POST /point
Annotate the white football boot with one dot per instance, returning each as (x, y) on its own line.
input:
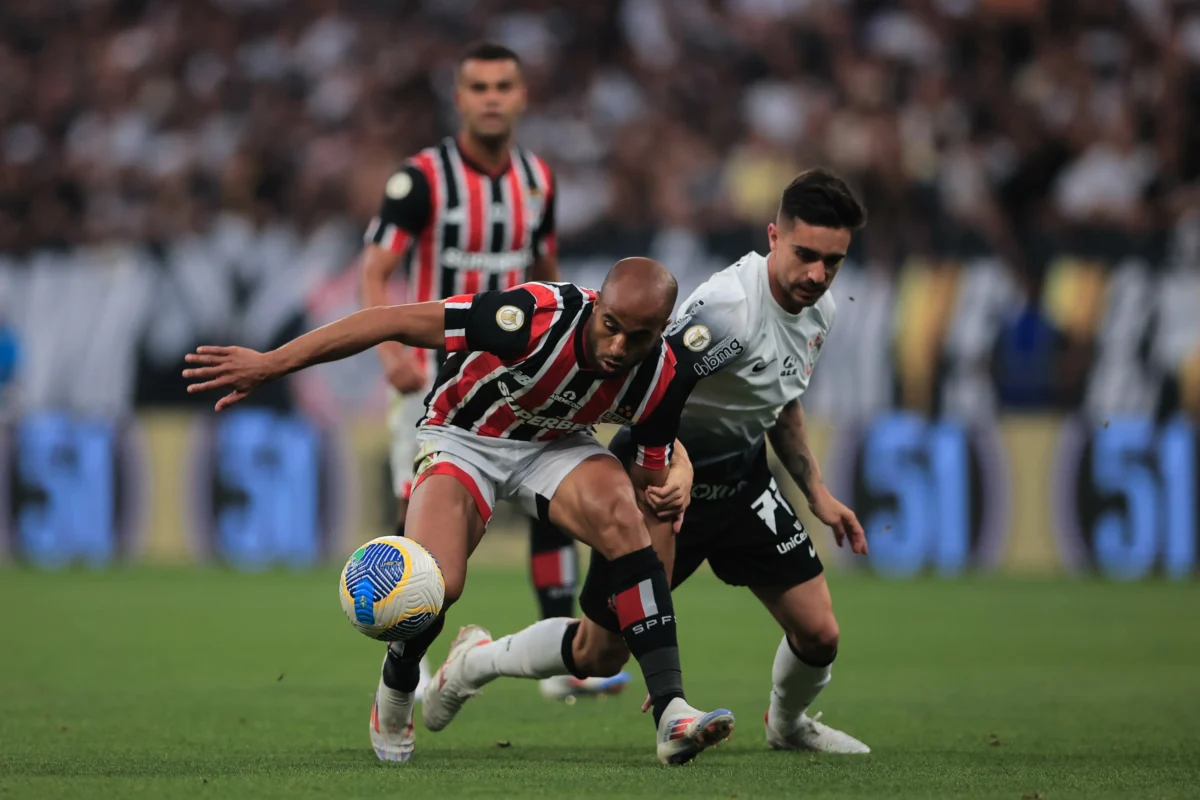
(684, 731)
(809, 733)
(392, 734)
(568, 687)
(449, 688)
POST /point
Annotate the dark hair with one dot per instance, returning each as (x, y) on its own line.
(487, 51)
(818, 197)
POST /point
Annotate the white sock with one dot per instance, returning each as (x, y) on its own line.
(535, 652)
(796, 686)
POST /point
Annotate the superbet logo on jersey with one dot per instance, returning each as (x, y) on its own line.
(1125, 497)
(931, 495)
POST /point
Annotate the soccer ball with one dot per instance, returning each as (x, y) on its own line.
(392, 589)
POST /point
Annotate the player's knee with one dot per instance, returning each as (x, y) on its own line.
(817, 642)
(621, 529)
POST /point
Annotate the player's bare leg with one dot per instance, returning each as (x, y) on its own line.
(401, 513)
(802, 668)
(442, 517)
(596, 504)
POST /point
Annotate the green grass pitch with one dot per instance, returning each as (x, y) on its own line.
(162, 684)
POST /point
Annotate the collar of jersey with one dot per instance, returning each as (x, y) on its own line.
(472, 164)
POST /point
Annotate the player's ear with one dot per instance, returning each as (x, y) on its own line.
(772, 235)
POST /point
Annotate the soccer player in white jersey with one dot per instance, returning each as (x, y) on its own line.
(758, 327)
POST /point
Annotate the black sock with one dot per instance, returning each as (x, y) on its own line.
(402, 667)
(568, 655)
(552, 564)
(642, 599)
(400, 528)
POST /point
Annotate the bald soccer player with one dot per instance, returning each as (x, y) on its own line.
(530, 371)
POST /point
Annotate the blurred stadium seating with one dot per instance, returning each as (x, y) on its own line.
(1017, 363)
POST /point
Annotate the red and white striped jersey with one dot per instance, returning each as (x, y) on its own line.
(519, 369)
(463, 230)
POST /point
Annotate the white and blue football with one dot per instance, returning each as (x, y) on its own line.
(392, 589)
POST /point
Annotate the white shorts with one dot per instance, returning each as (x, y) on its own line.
(404, 412)
(491, 469)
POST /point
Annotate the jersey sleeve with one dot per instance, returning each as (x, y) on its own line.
(654, 437)
(708, 335)
(405, 211)
(710, 331)
(496, 322)
(545, 238)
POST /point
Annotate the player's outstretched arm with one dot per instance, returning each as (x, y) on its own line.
(790, 440)
(242, 370)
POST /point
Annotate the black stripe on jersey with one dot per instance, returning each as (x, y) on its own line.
(475, 408)
(498, 227)
(530, 179)
(641, 385)
(448, 371)
(451, 231)
(578, 386)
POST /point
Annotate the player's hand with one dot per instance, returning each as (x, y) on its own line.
(840, 519)
(403, 368)
(239, 369)
(647, 703)
(670, 501)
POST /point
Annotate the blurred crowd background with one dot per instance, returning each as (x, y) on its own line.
(177, 171)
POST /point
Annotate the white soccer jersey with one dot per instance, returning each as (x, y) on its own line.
(760, 357)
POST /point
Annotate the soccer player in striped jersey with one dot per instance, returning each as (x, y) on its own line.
(758, 327)
(511, 415)
(473, 213)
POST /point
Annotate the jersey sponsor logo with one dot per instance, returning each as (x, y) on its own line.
(539, 420)
(510, 318)
(697, 338)
(456, 258)
(716, 491)
(730, 348)
(789, 367)
(567, 398)
(399, 185)
(788, 545)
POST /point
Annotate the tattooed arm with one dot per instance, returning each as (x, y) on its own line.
(790, 440)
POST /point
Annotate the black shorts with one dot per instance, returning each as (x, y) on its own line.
(750, 537)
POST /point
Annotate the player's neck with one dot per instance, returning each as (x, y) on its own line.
(780, 297)
(492, 158)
